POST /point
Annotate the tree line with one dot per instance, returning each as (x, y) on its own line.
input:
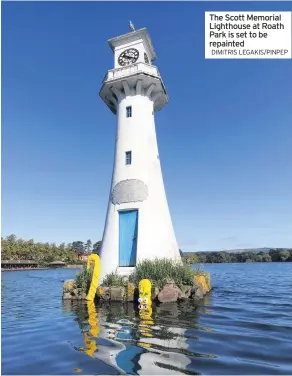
(274, 255)
(13, 248)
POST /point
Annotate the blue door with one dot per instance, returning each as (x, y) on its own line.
(128, 228)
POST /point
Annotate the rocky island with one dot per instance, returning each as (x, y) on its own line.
(171, 282)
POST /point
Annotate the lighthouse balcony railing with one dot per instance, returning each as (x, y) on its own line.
(117, 73)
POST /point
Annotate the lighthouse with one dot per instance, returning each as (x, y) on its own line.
(138, 224)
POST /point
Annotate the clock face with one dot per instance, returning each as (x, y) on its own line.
(146, 58)
(129, 56)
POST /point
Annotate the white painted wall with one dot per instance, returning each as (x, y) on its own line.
(156, 237)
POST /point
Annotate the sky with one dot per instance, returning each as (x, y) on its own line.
(224, 138)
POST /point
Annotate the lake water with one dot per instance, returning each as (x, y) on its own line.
(243, 327)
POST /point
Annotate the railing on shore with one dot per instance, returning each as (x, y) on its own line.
(13, 265)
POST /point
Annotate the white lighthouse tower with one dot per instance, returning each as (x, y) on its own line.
(138, 224)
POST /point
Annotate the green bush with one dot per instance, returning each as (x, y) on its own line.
(83, 279)
(114, 280)
(158, 271)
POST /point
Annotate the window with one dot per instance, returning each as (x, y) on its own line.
(129, 111)
(146, 58)
(128, 157)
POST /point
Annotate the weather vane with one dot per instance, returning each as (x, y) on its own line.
(132, 27)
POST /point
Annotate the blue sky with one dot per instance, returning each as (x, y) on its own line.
(224, 138)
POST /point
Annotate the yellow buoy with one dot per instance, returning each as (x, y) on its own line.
(145, 291)
(95, 260)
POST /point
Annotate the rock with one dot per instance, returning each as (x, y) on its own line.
(83, 295)
(197, 292)
(201, 279)
(66, 295)
(75, 292)
(130, 295)
(68, 285)
(208, 280)
(169, 293)
(154, 293)
(70, 291)
(104, 293)
(186, 292)
(118, 294)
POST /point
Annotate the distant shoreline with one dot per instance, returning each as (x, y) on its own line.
(47, 268)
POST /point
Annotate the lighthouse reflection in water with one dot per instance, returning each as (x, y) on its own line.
(132, 340)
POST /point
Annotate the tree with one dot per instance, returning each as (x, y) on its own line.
(11, 239)
(88, 245)
(8, 246)
(266, 258)
(233, 257)
(78, 247)
(225, 256)
(284, 255)
(259, 258)
(280, 255)
(96, 247)
(248, 255)
(190, 258)
(217, 257)
(202, 258)
(274, 253)
(14, 248)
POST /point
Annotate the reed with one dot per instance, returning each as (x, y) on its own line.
(160, 271)
(83, 279)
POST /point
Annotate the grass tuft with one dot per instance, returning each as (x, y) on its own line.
(114, 280)
(83, 279)
(159, 271)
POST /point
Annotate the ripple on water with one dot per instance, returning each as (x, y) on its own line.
(243, 327)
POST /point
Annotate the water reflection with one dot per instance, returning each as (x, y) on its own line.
(134, 341)
(146, 321)
(233, 330)
(93, 331)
